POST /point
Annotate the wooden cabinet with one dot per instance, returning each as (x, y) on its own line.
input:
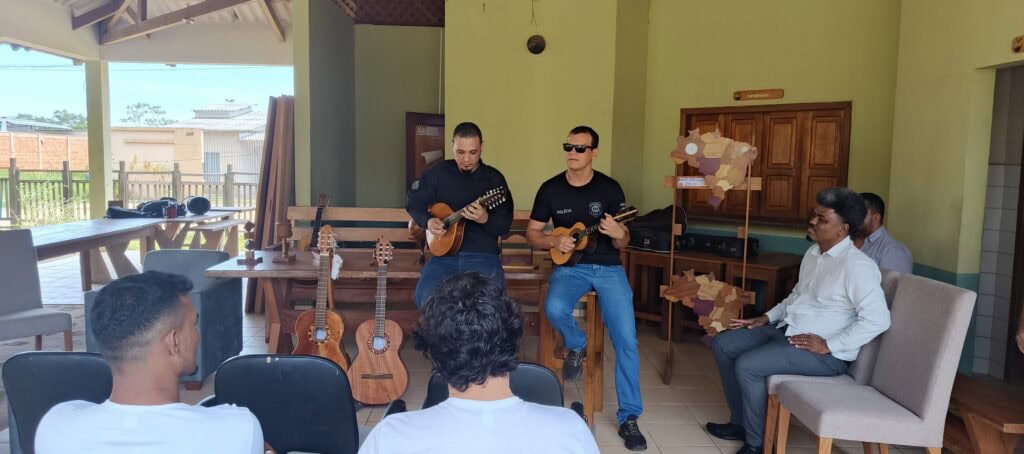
(802, 149)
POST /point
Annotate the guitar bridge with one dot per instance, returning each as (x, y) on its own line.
(377, 376)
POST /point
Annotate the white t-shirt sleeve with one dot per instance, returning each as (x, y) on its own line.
(372, 444)
(257, 436)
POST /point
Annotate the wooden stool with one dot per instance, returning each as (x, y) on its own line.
(593, 365)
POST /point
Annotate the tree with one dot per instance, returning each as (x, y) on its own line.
(62, 117)
(144, 114)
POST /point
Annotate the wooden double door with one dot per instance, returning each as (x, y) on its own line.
(802, 148)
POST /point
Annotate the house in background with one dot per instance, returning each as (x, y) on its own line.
(232, 133)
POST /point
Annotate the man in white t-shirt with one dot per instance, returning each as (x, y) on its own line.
(146, 329)
(471, 330)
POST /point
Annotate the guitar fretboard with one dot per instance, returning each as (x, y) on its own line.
(323, 280)
(382, 296)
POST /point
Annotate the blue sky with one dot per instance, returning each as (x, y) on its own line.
(38, 83)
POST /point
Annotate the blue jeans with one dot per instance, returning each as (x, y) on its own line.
(443, 267)
(566, 286)
(746, 357)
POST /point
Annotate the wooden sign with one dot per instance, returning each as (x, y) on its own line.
(756, 95)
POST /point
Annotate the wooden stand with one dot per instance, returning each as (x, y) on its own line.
(283, 232)
(676, 182)
(250, 246)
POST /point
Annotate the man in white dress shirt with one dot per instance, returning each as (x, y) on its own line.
(836, 307)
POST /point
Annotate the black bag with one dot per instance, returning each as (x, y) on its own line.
(155, 208)
(653, 231)
(128, 213)
(196, 204)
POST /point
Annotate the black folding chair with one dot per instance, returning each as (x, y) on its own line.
(36, 381)
(303, 403)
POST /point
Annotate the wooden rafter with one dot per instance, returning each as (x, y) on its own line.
(275, 24)
(166, 20)
(112, 8)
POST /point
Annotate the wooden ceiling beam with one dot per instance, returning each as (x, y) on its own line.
(109, 9)
(275, 23)
(166, 20)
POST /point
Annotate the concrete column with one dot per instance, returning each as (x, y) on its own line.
(98, 111)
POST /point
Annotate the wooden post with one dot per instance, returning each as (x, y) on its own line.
(122, 184)
(66, 174)
(14, 193)
(229, 188)
(176, 182)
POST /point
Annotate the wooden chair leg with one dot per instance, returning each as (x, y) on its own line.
(934, 450)
(824, 445)
(868, 447)
(771, 420)
(884, 448)
(782, 432)
(39, 342)
(68, 344)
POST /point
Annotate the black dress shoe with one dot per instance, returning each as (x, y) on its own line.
(727, 431)
(630, 433)
(747, 449)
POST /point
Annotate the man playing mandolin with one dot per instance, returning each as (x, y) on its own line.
(581, 194)
(459, 183)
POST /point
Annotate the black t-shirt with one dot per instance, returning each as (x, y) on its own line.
(446, 183)
(565, 205)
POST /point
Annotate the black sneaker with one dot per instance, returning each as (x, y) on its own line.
(630, 432)
(727, 431)
(573, 365)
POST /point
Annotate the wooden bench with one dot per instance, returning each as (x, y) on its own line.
(983, 418)
(359, 228)
(208, 235)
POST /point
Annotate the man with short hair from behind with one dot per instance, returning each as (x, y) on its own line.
(146, 329)
(470, 330)
(875, 242)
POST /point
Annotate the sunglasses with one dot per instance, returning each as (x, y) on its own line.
(578, 148)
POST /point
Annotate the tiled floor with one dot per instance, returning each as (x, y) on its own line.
(673, 418)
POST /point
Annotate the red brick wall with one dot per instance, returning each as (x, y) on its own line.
(43, 151)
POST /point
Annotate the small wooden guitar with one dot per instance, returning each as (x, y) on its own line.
(378, 375)
(319, 330)
(585, 238)
(454, 223)
(310, 242)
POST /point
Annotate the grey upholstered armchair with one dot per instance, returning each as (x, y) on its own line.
(21, 301)
(217, 301)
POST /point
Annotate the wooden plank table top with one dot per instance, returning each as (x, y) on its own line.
(356, 263)
(208, 216)
(62, 239)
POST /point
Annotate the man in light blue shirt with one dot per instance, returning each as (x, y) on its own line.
(836, 307)
(875, 241)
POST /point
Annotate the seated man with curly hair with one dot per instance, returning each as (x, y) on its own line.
(471, 330)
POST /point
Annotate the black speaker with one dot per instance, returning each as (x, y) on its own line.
(197, 204)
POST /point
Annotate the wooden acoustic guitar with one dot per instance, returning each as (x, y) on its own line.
(378, 375)
(585, 237)
(455, 223)
(319, 330)
(310, 242)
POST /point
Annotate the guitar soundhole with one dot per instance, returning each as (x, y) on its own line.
(378, 344)
(318, 335)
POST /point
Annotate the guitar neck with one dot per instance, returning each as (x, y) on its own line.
(314, 238)
(322, 283)
(382, 296)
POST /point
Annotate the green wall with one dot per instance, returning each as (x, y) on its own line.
(324, 54)
(397, 70)
(838, 51)
(943, 121)
(629, 98)
(524, 103)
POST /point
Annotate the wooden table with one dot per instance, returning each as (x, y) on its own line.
(646, 270)
(993, 417)
(84, 236)
(357, 279)
(171, 234)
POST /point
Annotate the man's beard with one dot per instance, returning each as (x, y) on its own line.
(808, 237)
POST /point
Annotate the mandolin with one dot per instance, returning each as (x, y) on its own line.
(309, 242)
(377, 374)
(319, 330)
(454, 223)
(583, 236)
